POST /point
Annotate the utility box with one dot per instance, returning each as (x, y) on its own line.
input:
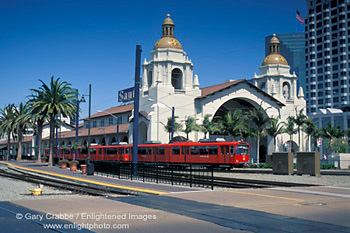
(282, 163)
(269, 161)
(308, 163)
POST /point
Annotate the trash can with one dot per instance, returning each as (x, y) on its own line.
(90, 169)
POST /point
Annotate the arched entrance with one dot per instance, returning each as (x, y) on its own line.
(286, 145)
(103, 142)
(125, 139)
(246, 106)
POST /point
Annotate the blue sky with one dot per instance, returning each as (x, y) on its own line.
(94, 41)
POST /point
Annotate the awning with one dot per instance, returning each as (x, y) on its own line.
(3, 147)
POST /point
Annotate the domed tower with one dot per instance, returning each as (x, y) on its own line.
(167, 82)
(168, 40)
(274, 74)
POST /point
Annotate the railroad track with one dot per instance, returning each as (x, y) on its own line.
(59, 184)
(212, 181)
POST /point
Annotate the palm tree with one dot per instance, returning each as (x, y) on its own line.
(169, 125)
(299, 120)
(190, 125)
(53, 100)
(38, 119)
(209, 126)
(233, 124)
(275, 128)
(310, 129)
(7, 127)
(260, 119)
(332, 132)
(289, 128)
(21, 124)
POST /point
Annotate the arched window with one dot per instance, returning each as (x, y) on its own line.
(103, 142)
(176, 78)
(150, 78)
(263, 86)
(286, 90)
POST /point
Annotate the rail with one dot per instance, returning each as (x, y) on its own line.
(193, 175)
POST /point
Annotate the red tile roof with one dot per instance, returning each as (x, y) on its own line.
(111, 129)
(25, 139)
(218, 87)
(206, 91)
(112, 110)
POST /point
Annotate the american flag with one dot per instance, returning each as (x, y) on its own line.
(300, 18)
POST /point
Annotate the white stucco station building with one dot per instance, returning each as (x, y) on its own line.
(168, 81)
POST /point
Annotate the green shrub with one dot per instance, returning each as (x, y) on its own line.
(327, 166)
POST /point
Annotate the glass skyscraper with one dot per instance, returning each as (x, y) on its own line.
(327, 54)
(293, 50)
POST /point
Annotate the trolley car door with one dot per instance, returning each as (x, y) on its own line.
(225, 153)
(185, 152)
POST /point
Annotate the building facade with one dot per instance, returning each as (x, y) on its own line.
(169, 82)
(327, 54)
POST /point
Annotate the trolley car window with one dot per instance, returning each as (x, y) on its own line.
(213, 150)
(141, 151)
(203, 150)
(112, 151)
(93, 151)
(175, 150)
(240, 150)
(66, 151)
(127, 150)
(195, 150)
(148, 150)
(121, 151)
(161, 150)
(232, 150)
(84, 150)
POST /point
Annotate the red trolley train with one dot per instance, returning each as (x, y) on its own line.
(220, 153)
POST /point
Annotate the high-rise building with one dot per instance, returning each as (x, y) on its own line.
(292, 46)
(327, 55)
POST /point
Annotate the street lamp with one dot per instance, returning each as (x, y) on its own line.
(90, 166)
(82, 100)
(172, 117)
(117, 123)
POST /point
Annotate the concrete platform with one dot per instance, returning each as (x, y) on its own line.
(313, 209)
(297, 209)
(134, 185)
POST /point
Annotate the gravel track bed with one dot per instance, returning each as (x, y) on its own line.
(12, 190)
(304, 179)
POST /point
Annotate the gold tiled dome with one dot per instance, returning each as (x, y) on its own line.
(168, 40)
(274, 56)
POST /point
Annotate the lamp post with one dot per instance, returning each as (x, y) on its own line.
(136, 110)
(172, 118)
(117, 123)
(90, 166)
(82, 100)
